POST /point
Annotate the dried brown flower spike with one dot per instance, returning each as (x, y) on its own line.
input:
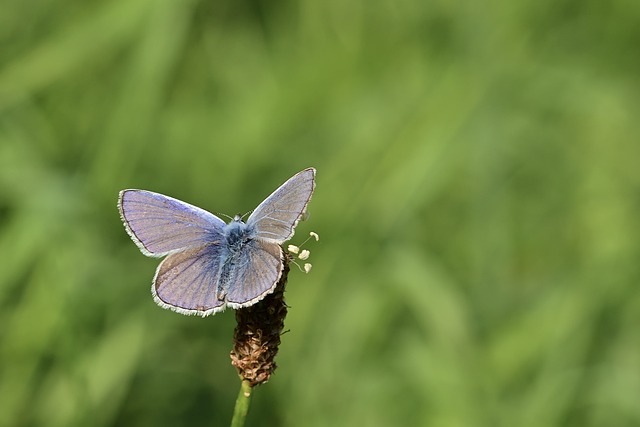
(257, 334)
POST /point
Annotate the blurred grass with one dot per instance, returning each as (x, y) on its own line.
(477, 204)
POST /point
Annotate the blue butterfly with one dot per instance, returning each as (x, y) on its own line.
(210, 264)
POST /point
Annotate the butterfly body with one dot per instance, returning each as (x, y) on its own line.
(210, 264)
(237, 235)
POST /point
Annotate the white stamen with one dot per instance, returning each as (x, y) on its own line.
(304, 254)
(314, 235)
(307, 267)
(293, 249)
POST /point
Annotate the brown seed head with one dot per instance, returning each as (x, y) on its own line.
(257, 334)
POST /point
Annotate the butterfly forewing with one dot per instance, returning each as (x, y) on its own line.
(160, 224)
(254, 274)
(187, 281)
(277, 216)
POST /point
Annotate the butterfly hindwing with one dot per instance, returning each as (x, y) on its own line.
(253, 274)
(187, 281)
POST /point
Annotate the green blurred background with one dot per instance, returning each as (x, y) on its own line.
(477, 200)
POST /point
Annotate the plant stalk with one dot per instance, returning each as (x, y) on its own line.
(242, 405)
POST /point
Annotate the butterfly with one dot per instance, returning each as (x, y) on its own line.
(210, 264)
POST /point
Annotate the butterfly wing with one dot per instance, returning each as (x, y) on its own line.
(160, 225)
(253, 274)
(277, 216)
(187, 281)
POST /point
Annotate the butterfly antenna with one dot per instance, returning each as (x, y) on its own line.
(227, 216)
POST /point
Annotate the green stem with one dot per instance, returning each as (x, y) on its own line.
(242, 405)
